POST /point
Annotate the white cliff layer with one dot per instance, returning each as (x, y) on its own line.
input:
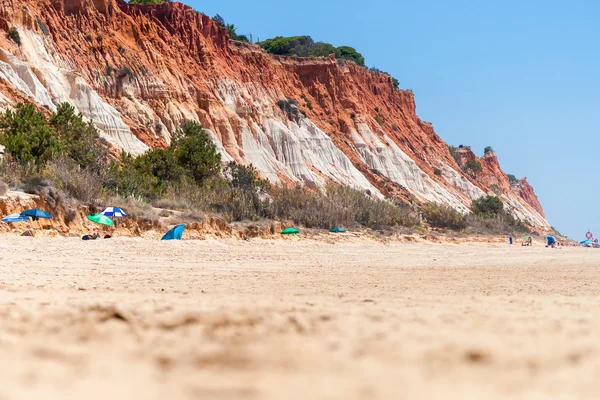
(49, 82)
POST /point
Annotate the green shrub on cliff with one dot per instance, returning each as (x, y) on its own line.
(27, 137)
(234, 35)
(474, 166)
(192, 157)
(305, 46)
(454, 154)
(13, 34)
(350, 53)
(31, 139)
(144, 2)
(487, 206)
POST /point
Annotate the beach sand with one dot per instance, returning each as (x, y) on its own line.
(132, 318)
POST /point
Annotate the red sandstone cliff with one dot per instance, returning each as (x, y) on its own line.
(139, 71)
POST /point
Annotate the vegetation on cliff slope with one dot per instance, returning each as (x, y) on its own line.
(148, 1)
(305, 46)
(62, 158)
(488, 216)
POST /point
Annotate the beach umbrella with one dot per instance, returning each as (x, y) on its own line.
(338, 229)
(290, 231)
(100, 219)
(13, 218)
(175, 233)
(113, 212)
(36, 214)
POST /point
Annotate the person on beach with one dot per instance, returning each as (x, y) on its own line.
(551, 241)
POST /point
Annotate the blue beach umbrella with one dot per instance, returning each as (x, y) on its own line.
(113, 212)
(36, 214)
(14, 218)
(175, 233)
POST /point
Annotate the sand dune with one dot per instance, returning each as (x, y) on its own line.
(135, 318)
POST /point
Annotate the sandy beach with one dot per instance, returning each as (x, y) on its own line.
(296, 319)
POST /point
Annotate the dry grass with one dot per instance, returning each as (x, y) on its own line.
(441, 216)
(81, 184)
(498, 225)
(3, 188)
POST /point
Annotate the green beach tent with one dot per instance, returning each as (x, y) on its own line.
(290, 231)
(338, 229)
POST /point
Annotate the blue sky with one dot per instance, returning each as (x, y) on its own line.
(521, 76)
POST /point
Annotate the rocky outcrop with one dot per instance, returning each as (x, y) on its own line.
(139, 71)
(525, 191)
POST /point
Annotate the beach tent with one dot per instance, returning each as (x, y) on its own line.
(587, 243)
(113, 212)
(175, 233)
(13, 218)
(36, 214)
(290, 231)
(338, 229)
(100, 219)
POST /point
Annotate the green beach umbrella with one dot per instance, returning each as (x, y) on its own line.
(100, 219)
(290, 231)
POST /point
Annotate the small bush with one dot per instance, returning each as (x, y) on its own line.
(437, 171)
(495, 189)
(487, 206)
(124, 72)
(219, 20)
(379, 119)
(488, 149)
(89, 38)
(442, 216)
(474, 166)
(455, 155)
(13, 34)
(512, 179)
(290, 107)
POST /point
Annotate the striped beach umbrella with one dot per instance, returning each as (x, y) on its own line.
(13, 218)
(113, 212)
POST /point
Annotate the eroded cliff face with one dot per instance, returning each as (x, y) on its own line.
(139, 71)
